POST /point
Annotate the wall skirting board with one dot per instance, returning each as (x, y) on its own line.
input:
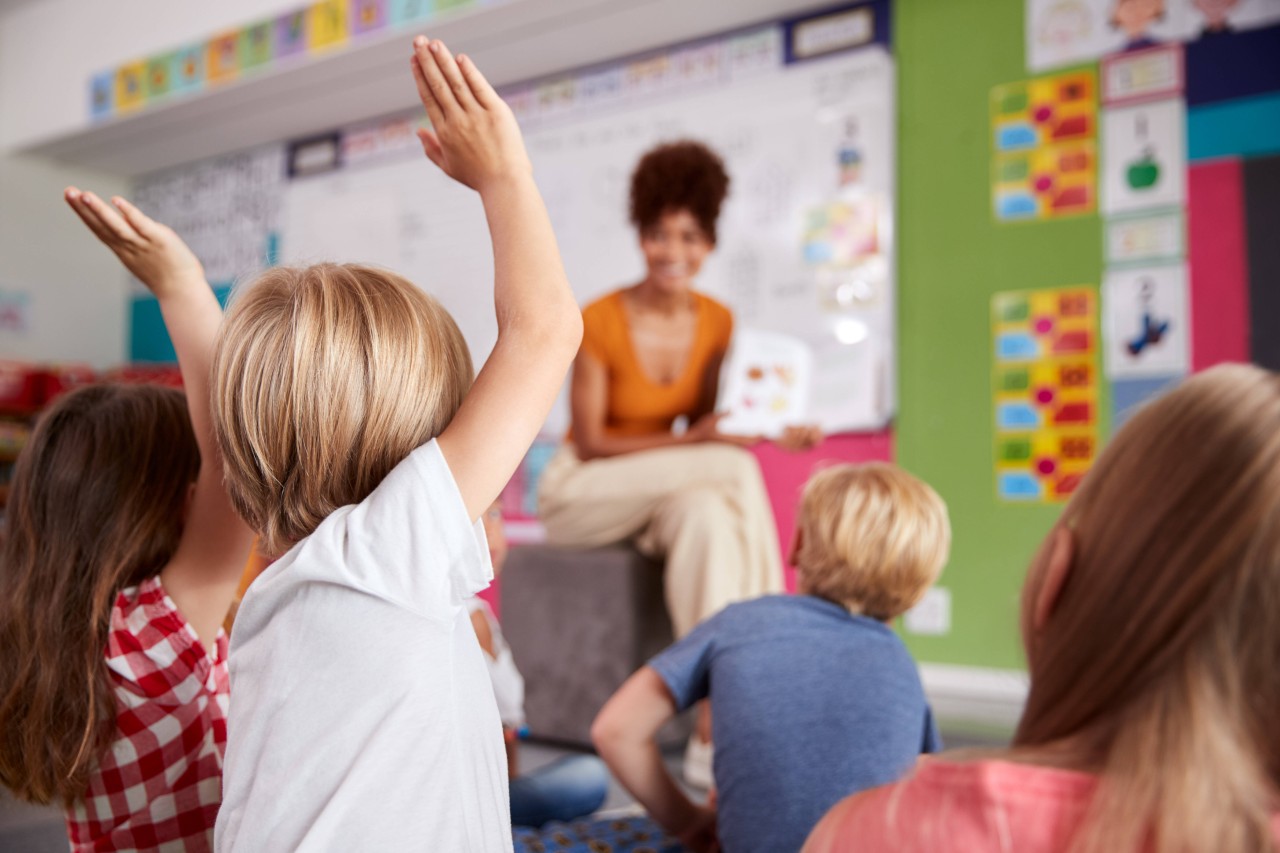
(975, 697)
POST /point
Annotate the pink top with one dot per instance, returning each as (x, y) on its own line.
(951, 806)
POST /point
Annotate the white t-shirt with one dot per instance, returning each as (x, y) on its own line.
(361, 712)
(508, 683)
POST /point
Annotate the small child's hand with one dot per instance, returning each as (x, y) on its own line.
(149, 250)
(700, 835)
(475, 140)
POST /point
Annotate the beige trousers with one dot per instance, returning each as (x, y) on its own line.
(701, 507)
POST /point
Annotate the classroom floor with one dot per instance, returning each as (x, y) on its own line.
(26, 828)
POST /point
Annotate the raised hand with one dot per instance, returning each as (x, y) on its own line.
(148, 249)
(474, 137)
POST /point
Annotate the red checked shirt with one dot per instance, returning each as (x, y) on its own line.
(159, 785)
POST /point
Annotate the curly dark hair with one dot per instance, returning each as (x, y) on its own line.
(683, 175)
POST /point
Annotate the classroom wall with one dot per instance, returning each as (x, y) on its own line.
(952, 257)
(44, 91)
(73, 289)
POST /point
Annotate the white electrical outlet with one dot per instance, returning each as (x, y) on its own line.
(932, 616)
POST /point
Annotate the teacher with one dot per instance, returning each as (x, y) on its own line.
(651, 355)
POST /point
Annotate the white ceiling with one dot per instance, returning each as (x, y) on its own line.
(519, 41)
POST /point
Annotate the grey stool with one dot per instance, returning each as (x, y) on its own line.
(579, 623)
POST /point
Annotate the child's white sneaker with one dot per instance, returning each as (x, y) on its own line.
(697, 763)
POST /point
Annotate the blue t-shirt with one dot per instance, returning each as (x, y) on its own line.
(809, 704)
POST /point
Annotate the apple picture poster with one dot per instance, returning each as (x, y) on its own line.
(1144, 156)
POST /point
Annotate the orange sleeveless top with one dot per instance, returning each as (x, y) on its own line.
(638, 405)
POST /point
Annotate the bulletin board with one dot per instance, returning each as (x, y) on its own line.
(1186, 280)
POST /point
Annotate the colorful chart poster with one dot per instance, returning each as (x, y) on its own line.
(159, 76)
(1146, 322)
(255, 45)
(407, 11)
(1142, 75)
(188, 69)
(368, 16)
(1145, 237)
(1144, 156)
(291, 33)
(222, 62)
(130, 94)
(1045, 391)
(1043, 135)
(102, 95)
(327, 24)
(1067, 32)
(843, 233)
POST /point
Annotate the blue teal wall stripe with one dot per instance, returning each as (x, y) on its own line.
(148, 339)
(1247, 127)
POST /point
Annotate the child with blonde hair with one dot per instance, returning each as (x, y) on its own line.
(813, 696)
(1149, 620)
(120, 560)
(359, 449)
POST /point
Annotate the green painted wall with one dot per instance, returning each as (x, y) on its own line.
(952, 257)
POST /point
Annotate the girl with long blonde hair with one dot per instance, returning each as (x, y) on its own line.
(1152, 639)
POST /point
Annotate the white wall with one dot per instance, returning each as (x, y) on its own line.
(75, 288)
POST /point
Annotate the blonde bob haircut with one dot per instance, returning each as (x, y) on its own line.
(872, 538)
(324, 378)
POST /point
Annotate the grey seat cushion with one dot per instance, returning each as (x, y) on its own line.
(580, 622)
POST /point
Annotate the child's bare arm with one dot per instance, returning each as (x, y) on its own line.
(624, 733)
(477, 142)
(202, 576)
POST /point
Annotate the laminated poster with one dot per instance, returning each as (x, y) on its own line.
(1144, 156)
(1068, 32)
(223, 60)
(1145, 237)
(1146, 322)
(1045, 391)
(327, 24)
(1044, 160)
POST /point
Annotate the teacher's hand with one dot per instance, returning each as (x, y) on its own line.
(798, 438)
(707, 428)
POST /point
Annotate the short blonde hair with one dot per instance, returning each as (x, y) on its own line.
(872, 538)
(324, 378)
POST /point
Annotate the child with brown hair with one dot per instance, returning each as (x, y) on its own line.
(813, 696)
(1149, 620)
(359, 449)
(121, 558)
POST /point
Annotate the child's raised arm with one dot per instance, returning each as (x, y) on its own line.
(477, 142)
(202, 576)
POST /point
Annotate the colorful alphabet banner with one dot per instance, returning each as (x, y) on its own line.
(319, 27)
(1044, 147)
(1045, 384)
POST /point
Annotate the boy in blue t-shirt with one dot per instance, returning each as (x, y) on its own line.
(813, 696)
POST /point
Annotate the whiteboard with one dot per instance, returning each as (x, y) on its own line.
(785, 261)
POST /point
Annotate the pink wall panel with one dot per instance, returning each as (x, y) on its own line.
(1217, 246)
(785, 474)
